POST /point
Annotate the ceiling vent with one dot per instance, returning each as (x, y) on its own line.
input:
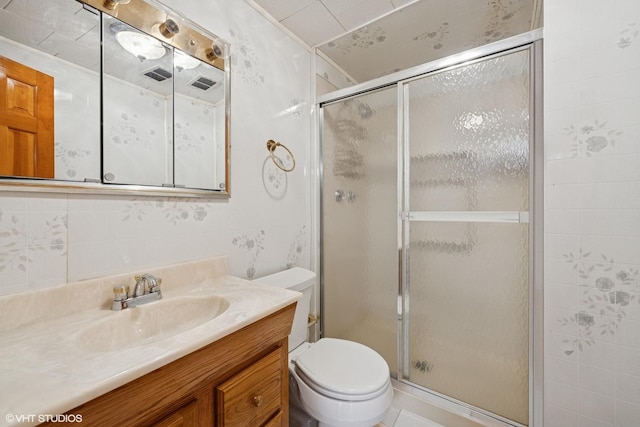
(159, 74)
(203, 83)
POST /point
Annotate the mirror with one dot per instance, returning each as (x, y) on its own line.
(161, 124)
(137, 109)
(61, 41)
(200, 120)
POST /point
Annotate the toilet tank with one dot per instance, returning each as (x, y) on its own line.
(301, 280)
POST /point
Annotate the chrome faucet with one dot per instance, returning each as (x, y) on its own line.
(146, 289)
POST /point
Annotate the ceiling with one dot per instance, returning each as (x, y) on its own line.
(358, 39)
(318, 21)
(365, 39)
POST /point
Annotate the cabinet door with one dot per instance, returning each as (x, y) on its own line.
(253, 397)
(186, 416)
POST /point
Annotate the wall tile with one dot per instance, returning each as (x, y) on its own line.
(627, 112)
(590, 422)
(628, 388)
(561, 221)
(560, 345)
(627, 141)
(15, 201)
(561, 296)
(626, 85)
(596, 222)
(562, 371)
(560, 271)
(600, 168)
(627, 250)
(626, 167)
(564, 44)
(564, 96)
(564, 322)
(627, 414)
(555, 416)
(593, 115)
(597, 196)
(597, 64)
(598, 354)
(561, 395)
(597, 380)
(563, 171)
(628, 334)
(602, 133)
(560, 245)
(627, 195)
(631, 299)
(596, 406)
(561, 196)
(565, 70)
(627, 360)
(596, 249)
(596, 90)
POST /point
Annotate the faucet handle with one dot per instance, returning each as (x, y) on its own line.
(120, 292)
(120, 297)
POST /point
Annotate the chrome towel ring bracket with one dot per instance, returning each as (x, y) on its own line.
(271, 146)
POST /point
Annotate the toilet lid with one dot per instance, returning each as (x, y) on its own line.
(343, 369)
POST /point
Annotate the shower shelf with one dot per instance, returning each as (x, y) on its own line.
(515, 217)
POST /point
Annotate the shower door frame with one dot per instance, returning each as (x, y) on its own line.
(531, 41)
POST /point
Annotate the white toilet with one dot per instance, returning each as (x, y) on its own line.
(337, 382)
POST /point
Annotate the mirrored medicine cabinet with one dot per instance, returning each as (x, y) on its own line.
(112, 96)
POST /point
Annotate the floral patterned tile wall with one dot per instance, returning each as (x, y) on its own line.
(592, 213)
(48, 240)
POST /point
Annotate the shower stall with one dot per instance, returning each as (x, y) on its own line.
(431, 227)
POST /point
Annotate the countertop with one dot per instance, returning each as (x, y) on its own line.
(45, 370)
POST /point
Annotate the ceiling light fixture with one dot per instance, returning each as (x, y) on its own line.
(112, 4)
(219, 49)
(140, 45)
(168, 28)
(182, 61)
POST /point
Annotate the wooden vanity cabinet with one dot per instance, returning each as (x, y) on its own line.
(239, 380)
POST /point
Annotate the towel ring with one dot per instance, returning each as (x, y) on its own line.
(271, 146)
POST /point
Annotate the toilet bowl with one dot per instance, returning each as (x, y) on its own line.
(337, 382)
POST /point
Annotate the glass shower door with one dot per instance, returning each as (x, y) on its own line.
(360, 261)
(466, 233)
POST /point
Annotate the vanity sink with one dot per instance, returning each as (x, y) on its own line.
(148, 323)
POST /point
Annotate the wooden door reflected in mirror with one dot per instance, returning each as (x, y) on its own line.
(26, 121)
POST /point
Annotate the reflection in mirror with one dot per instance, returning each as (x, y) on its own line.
(61, 40)
(199, 124)
(75, 118)
(137, 107)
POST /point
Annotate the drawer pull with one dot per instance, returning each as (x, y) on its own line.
(257, 401)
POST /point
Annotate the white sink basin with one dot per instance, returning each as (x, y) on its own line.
(150, 322)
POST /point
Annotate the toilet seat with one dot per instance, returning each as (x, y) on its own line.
(343, 370)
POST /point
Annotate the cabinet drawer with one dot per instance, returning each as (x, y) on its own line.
(254, 395)
(186, 416)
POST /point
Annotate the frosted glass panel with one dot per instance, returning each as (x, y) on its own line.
(468, 292)
(469, 137)
(468, 309)
(359, 225)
